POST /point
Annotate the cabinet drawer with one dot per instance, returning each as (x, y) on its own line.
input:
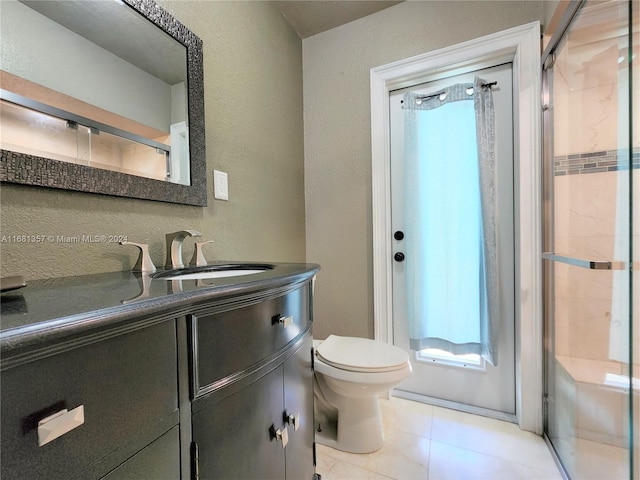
(230, 342)
(126, 385)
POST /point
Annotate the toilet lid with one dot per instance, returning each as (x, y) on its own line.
(361, 354)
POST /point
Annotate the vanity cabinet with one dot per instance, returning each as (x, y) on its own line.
(213, 383)
(121, 390)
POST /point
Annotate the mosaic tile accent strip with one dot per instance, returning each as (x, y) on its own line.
(595, 162)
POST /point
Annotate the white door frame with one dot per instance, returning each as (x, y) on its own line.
(520, 45)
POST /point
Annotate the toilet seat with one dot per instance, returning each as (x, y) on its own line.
(361, 354)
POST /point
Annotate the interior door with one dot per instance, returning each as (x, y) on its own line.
(460, 379)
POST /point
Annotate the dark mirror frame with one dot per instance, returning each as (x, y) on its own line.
(44, 172)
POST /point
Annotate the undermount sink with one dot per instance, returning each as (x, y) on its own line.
(213, 271)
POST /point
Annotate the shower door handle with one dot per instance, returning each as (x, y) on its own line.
(583, 263)
(399, 257)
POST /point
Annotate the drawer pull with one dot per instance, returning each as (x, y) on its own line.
(294, 420)
(282, 320)
(58, 424)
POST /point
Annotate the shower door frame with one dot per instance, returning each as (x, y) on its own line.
(547, 59)
(521, 46)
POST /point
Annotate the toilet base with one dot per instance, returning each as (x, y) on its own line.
(359, 426)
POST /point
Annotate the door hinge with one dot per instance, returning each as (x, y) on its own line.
(195, 467)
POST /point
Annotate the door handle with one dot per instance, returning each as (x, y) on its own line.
(399, 257)
(589, 264)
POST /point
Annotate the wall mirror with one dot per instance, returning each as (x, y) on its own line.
(102, 96)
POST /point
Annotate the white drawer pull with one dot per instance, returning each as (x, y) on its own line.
(58, 424)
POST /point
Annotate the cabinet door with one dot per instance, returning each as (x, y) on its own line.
(235, 434)
(298, 403)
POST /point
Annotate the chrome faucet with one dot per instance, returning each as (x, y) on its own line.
(174, 247)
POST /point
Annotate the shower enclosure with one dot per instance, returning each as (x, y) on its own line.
(591, 103)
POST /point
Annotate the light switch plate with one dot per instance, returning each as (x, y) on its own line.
(220, 185)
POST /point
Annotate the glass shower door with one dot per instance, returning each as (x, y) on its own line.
(591, 299)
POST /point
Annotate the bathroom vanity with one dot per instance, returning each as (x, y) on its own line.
(127, 376)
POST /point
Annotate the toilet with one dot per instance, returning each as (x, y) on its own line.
(350, 375)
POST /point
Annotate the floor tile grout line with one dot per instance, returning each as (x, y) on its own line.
(339, 457)
(537, 467)
(429, 457)
(534, 444)
(430, 415)
(360, 467)
(413, 434)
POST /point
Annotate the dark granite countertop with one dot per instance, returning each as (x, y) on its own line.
(56, 308)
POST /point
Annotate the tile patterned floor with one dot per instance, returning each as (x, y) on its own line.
(432, 443)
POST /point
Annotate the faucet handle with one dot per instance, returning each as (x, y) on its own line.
(144, 263)
(198, 259)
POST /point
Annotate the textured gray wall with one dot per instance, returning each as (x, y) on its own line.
(337, 120)
(253, 102)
